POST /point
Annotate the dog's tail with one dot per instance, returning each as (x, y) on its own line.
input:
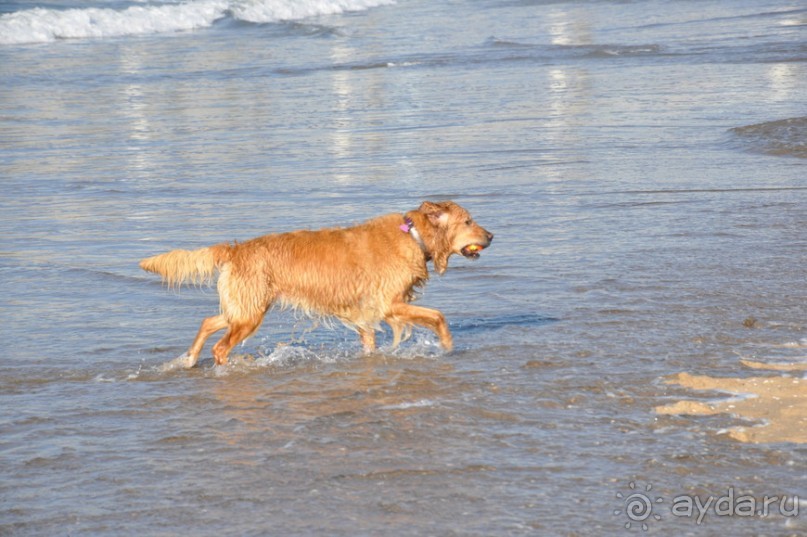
(195, 266)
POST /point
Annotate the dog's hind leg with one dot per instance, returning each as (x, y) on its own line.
(237, 332)
(209, 326)
(245, 297)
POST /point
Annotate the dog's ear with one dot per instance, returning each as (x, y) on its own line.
(436, 213)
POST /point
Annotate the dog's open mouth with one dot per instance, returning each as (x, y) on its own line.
(472, 251)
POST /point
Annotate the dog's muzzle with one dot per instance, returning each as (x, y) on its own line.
(471, 251)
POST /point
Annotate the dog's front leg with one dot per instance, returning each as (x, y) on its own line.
(400, 331)
(367, 339)
(431, 319)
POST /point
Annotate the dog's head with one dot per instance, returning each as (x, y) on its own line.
(454, 232)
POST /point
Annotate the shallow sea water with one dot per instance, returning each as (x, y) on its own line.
(641, 164)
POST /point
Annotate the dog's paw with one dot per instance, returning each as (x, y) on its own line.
(185, 361)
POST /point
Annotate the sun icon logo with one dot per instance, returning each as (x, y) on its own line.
(638, 507)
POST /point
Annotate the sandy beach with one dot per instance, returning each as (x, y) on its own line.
(778, 402)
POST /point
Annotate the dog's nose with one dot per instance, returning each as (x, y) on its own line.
(490, 236)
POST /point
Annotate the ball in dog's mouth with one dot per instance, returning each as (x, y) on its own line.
(472, 251)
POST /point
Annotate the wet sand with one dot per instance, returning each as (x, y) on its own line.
(778, 402)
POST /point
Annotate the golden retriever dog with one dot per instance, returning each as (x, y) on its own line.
(361, 275)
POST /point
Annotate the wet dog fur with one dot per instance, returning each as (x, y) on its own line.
(361, 275)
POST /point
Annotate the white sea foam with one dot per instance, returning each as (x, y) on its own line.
(40, 25)
(422, 403)
(263, 11)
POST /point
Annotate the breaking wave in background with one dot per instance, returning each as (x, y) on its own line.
(42, 25)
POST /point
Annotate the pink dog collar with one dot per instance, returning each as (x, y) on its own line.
(409, 227)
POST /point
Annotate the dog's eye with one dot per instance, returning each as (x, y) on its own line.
(469, 222)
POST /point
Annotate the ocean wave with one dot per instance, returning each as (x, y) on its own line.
(572, 51)
(785, 137)
(263, 11)
(610, 51)
(43, 25)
